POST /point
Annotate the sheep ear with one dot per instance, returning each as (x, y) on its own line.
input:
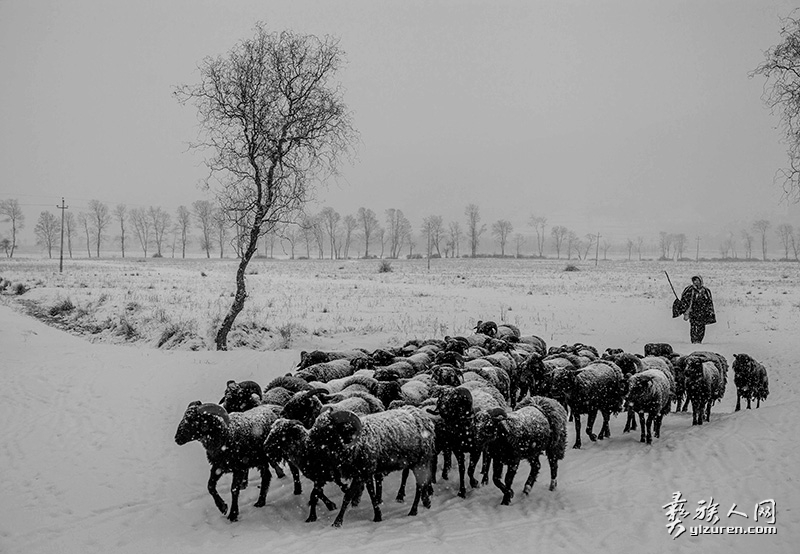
(230, 384)
(195, 403)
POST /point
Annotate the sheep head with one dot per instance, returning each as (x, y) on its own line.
(455, 404)
(200, 421)
(284, 435)
(488, 328)
(304, 406)
(346, 425)
(240, 397)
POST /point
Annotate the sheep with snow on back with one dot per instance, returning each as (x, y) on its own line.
(327, 371)
(234, 444)
(288, 440)
(458, 408)
(679, 365)
(366, 448)
(537, 425)
(318, 356)
(750, 378)
(649, 392)
(600, 386)
(705, 384)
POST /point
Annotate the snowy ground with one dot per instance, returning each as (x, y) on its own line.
(89, 461)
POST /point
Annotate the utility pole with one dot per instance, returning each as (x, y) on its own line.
(697, 255)
(62, 207)
(597, 249)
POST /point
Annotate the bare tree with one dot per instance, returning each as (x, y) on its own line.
(273, 120)
(11, 211)
(590, 240)
(680, 241)
(606, 247)
(349, 223)
(501, 230)
(785, 232)
(318, 230)
(519, 240)
(665, 244)
(203, 212)
(559, 234)
(83, 221)
(330, 219)
(795, 241)
(221, 227)
(100, 219)
(183, 219)
(69, 230)
(539, 224)
(368, 222)
(454, 237)
(474, 228)
(747, 237)
(762, 226)
(781, 69)
(432, 231)
(398, 230)
(573, 243)
(141, 225)
(47, 231)
(121, 212)
(291, 234)
(5, 244)
(639, 246)
(629, 244)
(159, 220)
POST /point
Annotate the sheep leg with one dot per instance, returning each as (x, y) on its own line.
(511, 472)
(401, 493)
(487, 461)
(473, 461)
(312, 504)
(279, 473)
(650, 427)
(642, 437)
(553, 461)
(590, 419)
(266, 477)
(758, 402)
(631, 418)
(657, 430)
(605, 430)
(577, 431)
(298, 486)
(238, 483)
(216, 473)
(536, 465)
(378, 477)
(462, 488)
(350, 493)
(708, 411)
(423, 479)
(375, 498)
(447, 463)
(497, 476)
(748, 402)
(685, 404)
(738, 401)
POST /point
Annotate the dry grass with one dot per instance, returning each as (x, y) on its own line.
(178, 303)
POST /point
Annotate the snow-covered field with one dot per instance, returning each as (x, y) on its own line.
(89, 462)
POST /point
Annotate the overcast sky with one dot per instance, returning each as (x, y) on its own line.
(620, 117)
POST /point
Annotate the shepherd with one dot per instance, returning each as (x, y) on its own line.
(697, 306)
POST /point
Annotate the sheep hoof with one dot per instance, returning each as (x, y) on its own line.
(592, 437)
(311, 519)
(260, 503)
(641, 439)
(576, 446)
(649, 441)
(526, 490)
(462, 494)
(400, 499)
(553, 484)
(413, 512)
(233, 517)
(474, 483)
(337, 523)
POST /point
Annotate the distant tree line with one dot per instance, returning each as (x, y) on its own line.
(207, 227)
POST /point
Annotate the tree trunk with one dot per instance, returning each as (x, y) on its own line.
(221, 340)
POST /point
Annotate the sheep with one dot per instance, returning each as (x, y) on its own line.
(507, 330)
(650, 391)
(457, 408)
(289, 382)
(552, 377)
(598, 386)
(366, 448)
(327, 371)
(679, 365)
(488, 328)
(750, 378)
(234, 444)
(495, 376)
(318, 356)
(537, 343)
(240, 397)
(658, 349)
(537, 425)
(705, 384)
(277, 395)
(288, 439)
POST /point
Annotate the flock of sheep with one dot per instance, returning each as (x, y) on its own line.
(353, 417)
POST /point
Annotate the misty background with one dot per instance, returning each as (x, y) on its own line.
(624, 118)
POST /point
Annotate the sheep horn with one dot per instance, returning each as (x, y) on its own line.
(214, 409)
(433, 411)
(497, 413)
(348, 423)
